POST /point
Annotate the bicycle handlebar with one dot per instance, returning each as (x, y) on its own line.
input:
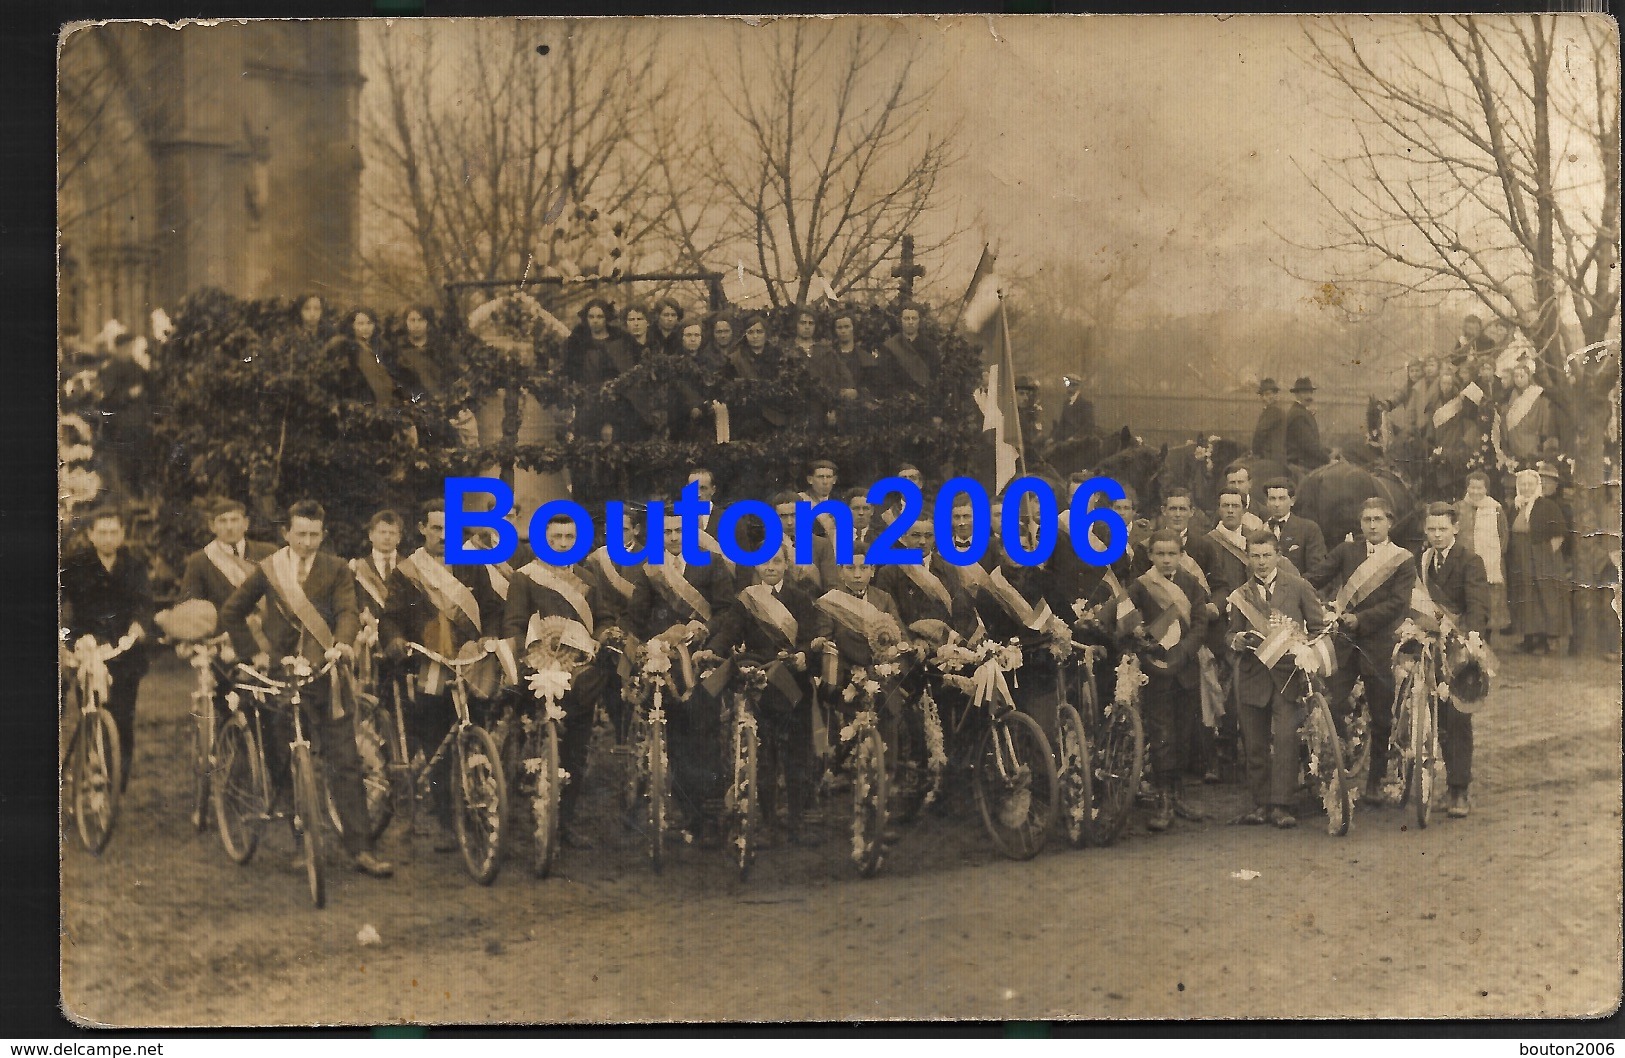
(455, 664)
(101, 652)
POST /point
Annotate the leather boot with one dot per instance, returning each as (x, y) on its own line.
(1182, 809)
(1162, 815)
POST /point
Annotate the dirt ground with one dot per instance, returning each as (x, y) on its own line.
(1515, 911)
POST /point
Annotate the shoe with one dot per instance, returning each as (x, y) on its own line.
(1163, 816)
(1183, 810)
(707, 836)
(571, 838)
(445, 840)
(1526, 647)
(1459, 807)
(890, 836)
(1256, 818)
(368, 864)
(1283, 819)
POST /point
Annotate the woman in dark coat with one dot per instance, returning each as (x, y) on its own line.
(693, 389)
(356, 358)
(592, 354)
(1537, 580)
(300, 348)
(667, 331)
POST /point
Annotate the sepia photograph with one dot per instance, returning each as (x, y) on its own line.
(840, 518)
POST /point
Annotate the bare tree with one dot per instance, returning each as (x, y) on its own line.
(1488, 164)
(479, 146)
(828, 160)
(97, 95)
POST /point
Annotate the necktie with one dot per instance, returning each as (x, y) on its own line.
(238, 548)
(1275, 527)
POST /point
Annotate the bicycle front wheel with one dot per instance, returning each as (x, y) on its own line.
(203, 735)
(1422, 740)
(307, 821)
(1326, 750)
(544, 801)
(1118, 756)
(658, 792)
(1015, 785)
(374, 739)
(741, 799)
(1072, 772)
(96, 780)
(480, 811)
(869, 794)
(237, 790)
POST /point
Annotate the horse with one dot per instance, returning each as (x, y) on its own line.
(1331, 496)
(1135, 464)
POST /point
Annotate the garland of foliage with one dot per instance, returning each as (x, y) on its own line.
(249, 406)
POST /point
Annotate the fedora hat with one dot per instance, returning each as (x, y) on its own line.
(1269, 385)
(1304, 385)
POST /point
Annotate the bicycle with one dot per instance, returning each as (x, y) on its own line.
(244, 800)
(379, 734)
(478, 786)
(91, 769)
(1415, 737)
(1012, 765)
(1324, 761)
(740, 751)
(1096, 805)
(201, 655)
(646, 787)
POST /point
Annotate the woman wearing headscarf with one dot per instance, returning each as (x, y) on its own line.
(1537, 582)
(1483, 531)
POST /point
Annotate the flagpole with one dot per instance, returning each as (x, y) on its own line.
(1010, 373)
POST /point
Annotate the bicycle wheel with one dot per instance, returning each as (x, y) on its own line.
(868, 763)
(374, 737)
(1014, 780)
(480, 806)
(96, 781)
(658, 793)
(1326, 751)
(1422, 739)
(741, 797)
(307, 816)
(238, 790)
(1072, 773)
(1118, 755)
(544, 801)
(203, 734)
(1357, 738)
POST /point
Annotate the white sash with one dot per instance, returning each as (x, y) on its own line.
(1521, 406)
(231, 566)
(566, 585)
(1446, 412)
(621, 585)
(443, 589)
(1370, 575)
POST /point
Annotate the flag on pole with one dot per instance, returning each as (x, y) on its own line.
(983, 317)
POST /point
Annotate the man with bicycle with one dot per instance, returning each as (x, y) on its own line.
(1273, 596)
(1373, 578)
(676, 600)
(1455, 581)
(542, 591)
(313, 615)
(774, 617)
(443, 608)
(106, 596)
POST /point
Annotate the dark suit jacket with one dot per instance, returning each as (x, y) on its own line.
(102, 603)
(895, 376)
(1301, 438)
(916, 604)
(651, 614)
(1269, 435)
(331, 588)
(1293, 597)
(202, 579)
(363, 597)
(1181, 659)
(1302, 542)
(1460, 587)
(1380, 612)
(409, 611)
(736, 627)
(526, 597)
(1225, 572)
(1077, 420)
(854, 648)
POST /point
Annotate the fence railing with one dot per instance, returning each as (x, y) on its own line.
(1173, 418)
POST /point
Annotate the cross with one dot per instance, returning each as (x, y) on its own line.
(907, 271)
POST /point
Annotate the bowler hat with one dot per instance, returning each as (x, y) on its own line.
(1026, 382)
(1268, 385)
(1303, 385)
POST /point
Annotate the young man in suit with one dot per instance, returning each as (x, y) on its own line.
(312, 614)
(542, 590)
(372, 571)
(106, 595)
(1300, 432)
(1172, 610)
(774, 616)
(1455, 581)
(1241, 479)
(1370, 580)
(1271, 597)
(820, 574)
(442, 608)
(1227, 567)
(1300, 539)
(215, 571)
